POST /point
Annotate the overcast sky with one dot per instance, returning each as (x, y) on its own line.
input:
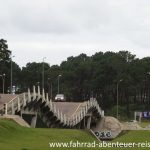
(57, 29)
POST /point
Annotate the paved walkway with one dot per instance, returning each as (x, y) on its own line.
(68, 108)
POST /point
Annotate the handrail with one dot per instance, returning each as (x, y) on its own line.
(80, 112)
(12, 99)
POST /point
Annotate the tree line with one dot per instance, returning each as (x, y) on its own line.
(85, 76)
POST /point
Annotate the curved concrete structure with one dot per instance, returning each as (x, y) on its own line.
(54, 114)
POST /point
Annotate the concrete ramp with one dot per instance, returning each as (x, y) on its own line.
(68, 108)
(17, 119)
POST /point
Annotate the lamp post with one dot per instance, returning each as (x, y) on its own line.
(58, 82)
(117, 94)
(11, 74)
(43, 74)
(3, 79)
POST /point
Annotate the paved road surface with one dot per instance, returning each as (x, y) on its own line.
(68, 108)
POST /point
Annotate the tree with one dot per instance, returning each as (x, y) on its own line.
(85, 76)
(32, 74)
(4, 62)
(4, 52)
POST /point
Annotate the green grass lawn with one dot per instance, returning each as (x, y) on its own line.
(15, 137)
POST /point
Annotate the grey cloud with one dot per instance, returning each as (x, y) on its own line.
(57, 18)
(75, 26)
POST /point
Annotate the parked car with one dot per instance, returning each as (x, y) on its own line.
(59, 98)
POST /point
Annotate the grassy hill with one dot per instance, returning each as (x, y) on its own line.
(15, 137)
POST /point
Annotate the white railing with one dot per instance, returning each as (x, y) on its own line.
(22, 100)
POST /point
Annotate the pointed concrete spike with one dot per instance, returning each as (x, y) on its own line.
(29, 95)
(84, 112)
(50, 100)
(47, 99)
(102, 113)
(61, 116)
(51, 105)
(94, 103)
(81, 114)
(24, 100)
(34, 89)
(91, 102)
(99, 110)
(12, 108)
(39, 94)
(38, 89)
(5, 108)
(54, 109)
(28, 90)
(64, 119)
(18, 103)
(34, 93)
(43, 96)
(67, 121)
(76, 119)
(73, 121)
(88, 103)
(58, 114)
(70, 121)
(86, 109)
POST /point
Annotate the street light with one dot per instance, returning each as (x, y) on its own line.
(58, 82)
(117, 94)
(43, 74)
(3, 79)
(11, 74)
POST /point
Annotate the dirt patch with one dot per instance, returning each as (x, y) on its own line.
(131, 126)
